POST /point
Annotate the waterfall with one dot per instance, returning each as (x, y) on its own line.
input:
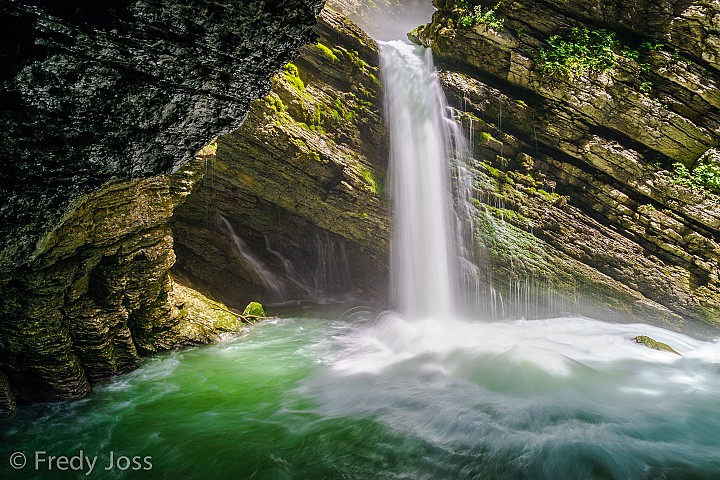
(424, 142)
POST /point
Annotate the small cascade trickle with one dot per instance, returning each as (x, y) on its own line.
(289, 271)
(261, 273)
(332, 271)
(329, 279)
(471, 291)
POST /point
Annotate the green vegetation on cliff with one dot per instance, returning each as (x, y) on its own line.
(327, 52)
(580, 51)
(477, 15)
(704, 175)
(293, 76)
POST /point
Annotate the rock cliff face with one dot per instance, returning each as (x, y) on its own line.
(99, 294)
(576, 190)
(576, 199)
(292, 206)
(97, 99)
(123, 89)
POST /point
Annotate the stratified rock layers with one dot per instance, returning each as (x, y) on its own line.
(574, 188)
(292, 206)
(97, 100)
(100, 294)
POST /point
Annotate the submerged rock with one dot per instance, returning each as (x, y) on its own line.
(654, 344)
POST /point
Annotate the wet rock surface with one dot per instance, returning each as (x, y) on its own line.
(292, 205)
(654, 344)
(576, 193)
(100, 295)
(97, 100)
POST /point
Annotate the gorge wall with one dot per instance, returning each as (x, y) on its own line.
(293, 205)
(578, 207)
(98, 99)
(577, 198)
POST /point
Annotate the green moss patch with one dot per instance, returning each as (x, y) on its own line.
(254, 309)
(654, 344)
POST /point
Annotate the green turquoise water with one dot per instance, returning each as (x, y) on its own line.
(386, 398)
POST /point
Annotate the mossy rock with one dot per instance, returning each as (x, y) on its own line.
(654, 344)
(187, 318)
(254, 309)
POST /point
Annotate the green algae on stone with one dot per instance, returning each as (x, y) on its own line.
(254, 309)
(292, 74)
(327, 52)
(654, 344)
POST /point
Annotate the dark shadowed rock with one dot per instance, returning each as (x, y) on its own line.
(93, 91)
(98, 99)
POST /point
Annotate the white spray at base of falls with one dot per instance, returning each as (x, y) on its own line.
(428, 254)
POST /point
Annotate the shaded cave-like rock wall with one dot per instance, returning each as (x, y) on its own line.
(93, 91)
(299, 187)
(99, 98)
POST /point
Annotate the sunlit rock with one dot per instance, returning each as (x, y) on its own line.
(254, 309)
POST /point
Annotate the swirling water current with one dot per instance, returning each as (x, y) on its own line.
(383, 397)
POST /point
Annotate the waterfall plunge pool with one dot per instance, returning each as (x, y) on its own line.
(381, 397)
(391, 396)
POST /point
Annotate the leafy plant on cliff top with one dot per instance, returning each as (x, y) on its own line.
(472, 16)
(581, 50)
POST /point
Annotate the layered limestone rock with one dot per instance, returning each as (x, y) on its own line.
(576, 193)
(97, 99)
(93, 91)
(292, 205)
(99, 294)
